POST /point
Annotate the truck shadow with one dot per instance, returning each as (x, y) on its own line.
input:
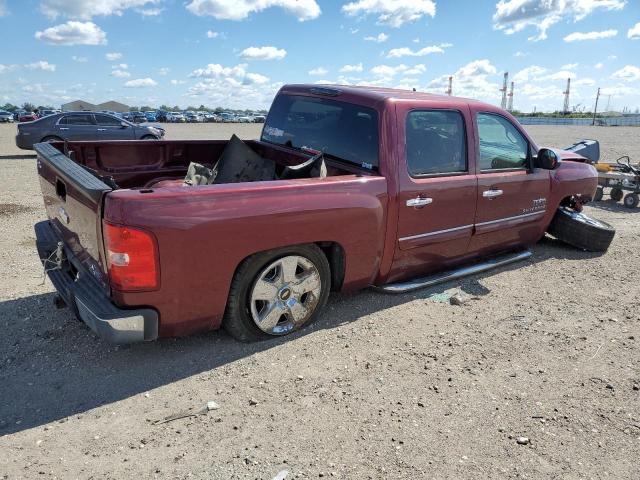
(52, 367)
(611, 206)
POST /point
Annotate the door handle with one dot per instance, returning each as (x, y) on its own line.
(491, 194)
(102, 129)
(64, 128)
(419, 202)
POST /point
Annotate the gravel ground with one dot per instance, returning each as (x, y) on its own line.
(380, 386)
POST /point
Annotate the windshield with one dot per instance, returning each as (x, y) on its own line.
(348, 132)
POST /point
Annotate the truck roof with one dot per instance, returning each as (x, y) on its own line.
(370, 94)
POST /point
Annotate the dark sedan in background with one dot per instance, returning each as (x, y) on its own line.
(82, 126)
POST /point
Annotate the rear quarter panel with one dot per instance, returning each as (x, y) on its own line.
(205, 232)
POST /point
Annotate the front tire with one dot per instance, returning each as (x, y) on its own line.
(581, 231)
(277, 292)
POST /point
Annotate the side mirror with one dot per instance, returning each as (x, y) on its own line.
(547, 159)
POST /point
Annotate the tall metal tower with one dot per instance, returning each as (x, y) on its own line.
(450, 89)
(510, 102)
(565, 108)
(503, 104)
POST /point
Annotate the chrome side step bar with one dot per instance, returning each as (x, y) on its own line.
(417, 283)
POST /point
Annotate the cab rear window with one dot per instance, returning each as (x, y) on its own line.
(342, 130)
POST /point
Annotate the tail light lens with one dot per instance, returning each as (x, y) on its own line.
(132, 258)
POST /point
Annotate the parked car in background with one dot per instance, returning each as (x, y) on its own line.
(151, 116)
(82, 126)
(244, 119)
(259, 119)
(138, 117)
(177, 117)
(193, 117)
(28, 117)
(6, 117)
(162, 116)
(46, 113)
(128, 116)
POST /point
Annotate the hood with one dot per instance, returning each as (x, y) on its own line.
(568, 155)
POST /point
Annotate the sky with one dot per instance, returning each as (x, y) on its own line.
(238, 53)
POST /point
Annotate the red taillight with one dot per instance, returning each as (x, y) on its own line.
(131, 258)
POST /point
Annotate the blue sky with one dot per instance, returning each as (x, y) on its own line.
(237, 53)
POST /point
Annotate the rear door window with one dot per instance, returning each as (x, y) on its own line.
(77, 119)
(435, 142)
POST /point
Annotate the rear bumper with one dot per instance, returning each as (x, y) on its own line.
(87, 299)
(24, 142)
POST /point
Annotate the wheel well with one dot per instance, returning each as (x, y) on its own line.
(335, 254)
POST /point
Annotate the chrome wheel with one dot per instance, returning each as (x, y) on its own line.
(285, 294)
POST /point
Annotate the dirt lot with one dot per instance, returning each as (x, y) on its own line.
(381, 386)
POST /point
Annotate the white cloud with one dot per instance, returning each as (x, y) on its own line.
(407, 52)
(75, 58)
(587, 82)
(394, 13)
(352, 68)
(389, 71)
(318, 71)
(598, 65)
(119, 73)
(212, 34)
(533, 72)
(513, 16)
(629, 73)
(140, 83)
(255, 78)
(263, 53)
(73, 33)
(471, 80)
(41, 65)
(164, 71)
(215, 70)
(561, 75)
(85, 10)
(380, 38)
(580, 36)
(177, 82)
(634, 32)
(3, 8)
(112, 57)
(241, 9)
(569, 66)
(520, 54)
(150, 12)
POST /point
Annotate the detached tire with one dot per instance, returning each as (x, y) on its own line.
(581, 231)
(277, 292)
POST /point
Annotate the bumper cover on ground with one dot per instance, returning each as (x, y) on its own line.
(83, 295)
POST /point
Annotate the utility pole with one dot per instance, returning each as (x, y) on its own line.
(565, 109)
(510, 102)
(595, 110)
(503, 104)
(450, 89)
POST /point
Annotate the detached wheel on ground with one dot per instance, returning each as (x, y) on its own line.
(581, 231)
(631, 200)
(616, 194)
(276, 292)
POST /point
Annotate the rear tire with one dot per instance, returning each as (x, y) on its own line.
(581, 231)
(616, 194)
(249, 320)
(631, 200)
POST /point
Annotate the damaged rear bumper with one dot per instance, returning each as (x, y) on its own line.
(86, 298)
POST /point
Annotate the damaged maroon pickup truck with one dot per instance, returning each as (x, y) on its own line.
(347, 188)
